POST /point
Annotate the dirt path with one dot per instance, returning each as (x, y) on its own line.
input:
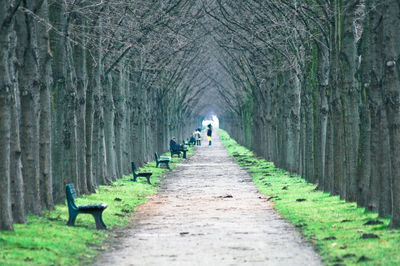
(208, 212)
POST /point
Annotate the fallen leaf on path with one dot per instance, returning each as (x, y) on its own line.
(226, 196)
(373, 222)
(337, 259)
(273, 197)
(301, 225)
(366, 236)
(363, 258)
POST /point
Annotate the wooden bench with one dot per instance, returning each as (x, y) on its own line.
(94, 209)
(175, 152)
(144, 174)
(162, 160)
(179, 153)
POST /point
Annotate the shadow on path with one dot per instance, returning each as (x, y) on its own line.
(209, 212)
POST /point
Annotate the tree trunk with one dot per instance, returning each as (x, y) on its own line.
(17, 183)
(391, 84)
(6, 91)
(364, 165)
(109, 117)
(323, 83)
(120, 113)
(81, 88)
(70, 115)
(89, 118)
(364, 153)
(5, 121)
(29, 90)
(57, 18)
(349, 94)
(45, 81)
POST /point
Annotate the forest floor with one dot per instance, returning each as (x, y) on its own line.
(208, 211)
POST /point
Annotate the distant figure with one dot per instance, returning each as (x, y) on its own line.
(175, 147)
(197, 136)
(192, 140)
(209, 134)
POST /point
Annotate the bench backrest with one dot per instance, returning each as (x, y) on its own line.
(71, 195)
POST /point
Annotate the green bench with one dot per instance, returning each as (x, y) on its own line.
(145, 174)
(94, 209)
(179, 152)
(162, 160)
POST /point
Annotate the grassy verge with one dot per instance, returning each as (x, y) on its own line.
(46, 240)
(342, 233)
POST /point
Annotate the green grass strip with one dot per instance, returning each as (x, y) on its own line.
(335, 227)
(46, 240)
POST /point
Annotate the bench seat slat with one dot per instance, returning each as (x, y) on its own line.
(144, 174)
(89, 207)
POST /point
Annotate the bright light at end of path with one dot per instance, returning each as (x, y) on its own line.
(214, 122)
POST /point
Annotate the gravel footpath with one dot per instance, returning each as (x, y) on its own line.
(208, 212)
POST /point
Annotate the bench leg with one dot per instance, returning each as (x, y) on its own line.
(184, 154)
(157, 163)
(72, 218)
(98, 218)
(148, 180)
(166, 165)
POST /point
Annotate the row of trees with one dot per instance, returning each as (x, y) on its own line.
(322, 91)
(87, 86)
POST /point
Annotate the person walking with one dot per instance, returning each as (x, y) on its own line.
(198, 137)
(209, 134)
